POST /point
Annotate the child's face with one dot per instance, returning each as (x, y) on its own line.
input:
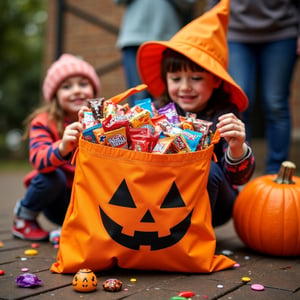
(73, 93)
(191, 90)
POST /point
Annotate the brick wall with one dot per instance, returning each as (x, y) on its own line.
(97, 46)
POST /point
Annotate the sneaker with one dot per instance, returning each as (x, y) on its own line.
(29, 230)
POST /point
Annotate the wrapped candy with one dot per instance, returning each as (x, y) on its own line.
(28, 280)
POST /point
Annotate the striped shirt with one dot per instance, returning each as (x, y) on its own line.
(43, 149)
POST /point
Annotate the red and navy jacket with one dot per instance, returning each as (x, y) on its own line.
(43, 149)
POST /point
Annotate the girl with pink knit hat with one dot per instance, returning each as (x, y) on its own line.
(189, 74)
(53, 131)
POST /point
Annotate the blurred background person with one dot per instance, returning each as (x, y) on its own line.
(263, 40)
(146, 20)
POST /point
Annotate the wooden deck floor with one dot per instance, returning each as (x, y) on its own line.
(280, 276)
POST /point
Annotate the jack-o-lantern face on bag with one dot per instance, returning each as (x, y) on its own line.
(139, 210)
(147, 225)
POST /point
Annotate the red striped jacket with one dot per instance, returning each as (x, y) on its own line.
(43, 149)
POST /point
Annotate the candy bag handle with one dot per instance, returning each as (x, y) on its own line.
(214, 141)
(120, 97)
(216, 137)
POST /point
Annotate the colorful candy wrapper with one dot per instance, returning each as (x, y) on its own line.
(88, 134)
(109, 108)
(99, 135)
(193, 138)
(117, 138)
(96, 106)
(145, 104)
(28, 280)
(142, 120)
(88, 120)
(163, 146)
(180, 144)
(170, 111)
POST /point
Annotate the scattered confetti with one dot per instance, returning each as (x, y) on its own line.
(28, 280)
(1, 244)
(227, 252)
(186, 294)
(31, 252)
(220, 286)
(285, 268)
(246, 257)
(24, 269)
(257, 287)
(35, 245)
(205, 297)
(132, 279)
(246, 279)
(23, 258)
(236, 265)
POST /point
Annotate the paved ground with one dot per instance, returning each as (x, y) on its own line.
(279, 275)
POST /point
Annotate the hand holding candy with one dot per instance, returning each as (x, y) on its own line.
(232, 129)
(70, 138)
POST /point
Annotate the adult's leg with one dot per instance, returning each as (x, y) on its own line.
(243, 68)
(277, 61)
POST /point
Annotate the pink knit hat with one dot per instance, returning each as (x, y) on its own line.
(68, 65)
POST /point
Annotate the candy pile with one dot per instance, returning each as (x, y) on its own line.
(143, 128)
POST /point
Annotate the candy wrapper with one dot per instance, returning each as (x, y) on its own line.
(28, 280)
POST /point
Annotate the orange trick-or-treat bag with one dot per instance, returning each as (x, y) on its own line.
(139, 210)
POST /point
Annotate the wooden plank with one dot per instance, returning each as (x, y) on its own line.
(245, 293)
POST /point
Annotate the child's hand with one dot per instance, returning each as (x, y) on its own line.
(233, 131)
(70, 138)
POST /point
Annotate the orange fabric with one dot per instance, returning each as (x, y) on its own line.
(139, 210)
(203, 41)
(120, 97)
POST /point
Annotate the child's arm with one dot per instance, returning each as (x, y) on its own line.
(239, 159)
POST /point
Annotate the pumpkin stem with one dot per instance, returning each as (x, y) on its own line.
(285, 173)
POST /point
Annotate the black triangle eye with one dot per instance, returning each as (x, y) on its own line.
(173, 198)
(122, 196)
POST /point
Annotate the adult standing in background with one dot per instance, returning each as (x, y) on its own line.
(263, 40)
(146, 20)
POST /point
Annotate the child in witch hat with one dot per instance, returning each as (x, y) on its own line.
(190, 70)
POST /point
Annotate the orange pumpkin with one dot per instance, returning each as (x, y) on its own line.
(266, 213)
(84, 281)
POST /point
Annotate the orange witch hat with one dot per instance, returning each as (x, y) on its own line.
(204, 41)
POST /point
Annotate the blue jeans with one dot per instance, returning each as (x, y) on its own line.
(273, 63)
(132, 74)
(221, 195)
(47, 193)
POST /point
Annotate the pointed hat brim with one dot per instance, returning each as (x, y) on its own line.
(202, 41)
